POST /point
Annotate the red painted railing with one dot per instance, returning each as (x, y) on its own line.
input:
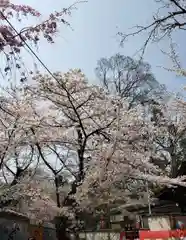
(162, 234)
(145, 234)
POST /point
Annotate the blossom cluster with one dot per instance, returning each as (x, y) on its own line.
(90, 137)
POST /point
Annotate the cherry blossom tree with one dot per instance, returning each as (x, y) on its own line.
(19, 190)
(98, 152)
(124, 180)
(32, 195)
(102, 144)
(14, 41)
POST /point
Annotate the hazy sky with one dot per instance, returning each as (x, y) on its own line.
(95, 26)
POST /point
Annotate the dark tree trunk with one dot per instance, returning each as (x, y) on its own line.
(61, 228)
(62, 223)
(57, 191)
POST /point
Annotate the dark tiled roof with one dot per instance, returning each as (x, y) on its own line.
(162, 207)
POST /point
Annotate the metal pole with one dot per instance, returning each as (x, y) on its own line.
(148, 196)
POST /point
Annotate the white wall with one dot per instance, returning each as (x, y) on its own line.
(159, 223)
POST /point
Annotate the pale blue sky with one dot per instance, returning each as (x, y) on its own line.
(95, 26)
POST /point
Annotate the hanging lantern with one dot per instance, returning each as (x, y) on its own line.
(102, 223)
